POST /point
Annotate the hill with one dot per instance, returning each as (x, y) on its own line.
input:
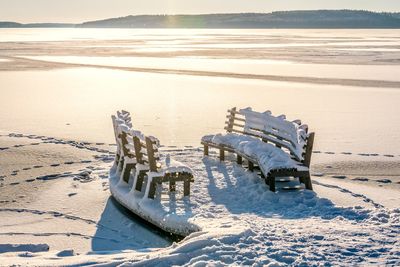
(281, 19)
(311, 19)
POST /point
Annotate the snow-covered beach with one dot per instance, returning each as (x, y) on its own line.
(242, 222)
(57, 148)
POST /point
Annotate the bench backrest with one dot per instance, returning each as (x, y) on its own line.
(289, 135)
(146, 150)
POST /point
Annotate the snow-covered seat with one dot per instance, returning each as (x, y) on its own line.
(158, 171)
(231, 140)
(276, 145)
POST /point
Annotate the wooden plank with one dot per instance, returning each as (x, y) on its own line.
(138, 153)
(309, 148)
(150, 155)
(238, 125)
(231, 119)
(235, 118)
(287, 172)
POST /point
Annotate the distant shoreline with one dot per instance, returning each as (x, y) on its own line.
(307, 19)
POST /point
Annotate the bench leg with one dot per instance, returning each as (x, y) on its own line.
(186, 187)
(239, 160)
(307, 182)
(172, 186)
(251, 166)
(116, 159)
(205, 150)
(266, 179)
(152, 191)
(221, 154)
(126, 172)
(120, 164)
(271, 183)
(139, 182)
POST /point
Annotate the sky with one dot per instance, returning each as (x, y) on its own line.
(74, 11)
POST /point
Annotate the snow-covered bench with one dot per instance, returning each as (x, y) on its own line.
(139, 158)
(279, 147)
(139, 153)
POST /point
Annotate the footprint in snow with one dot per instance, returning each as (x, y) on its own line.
(388, 155)
(384, 181)
(362, 179)
(339, 176)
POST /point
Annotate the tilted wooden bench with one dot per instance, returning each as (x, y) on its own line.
(139, 153)
(260, 138)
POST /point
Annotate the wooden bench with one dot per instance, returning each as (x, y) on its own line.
(140, 154)
(248, 129)
(158, 173)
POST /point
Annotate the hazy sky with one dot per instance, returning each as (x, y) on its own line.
(84, 10)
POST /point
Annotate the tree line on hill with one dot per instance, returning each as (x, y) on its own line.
(323, 19)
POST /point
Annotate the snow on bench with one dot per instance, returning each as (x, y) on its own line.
(279, 147)
(139, 158)
(123, 118)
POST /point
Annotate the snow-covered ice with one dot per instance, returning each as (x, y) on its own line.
(242, 223)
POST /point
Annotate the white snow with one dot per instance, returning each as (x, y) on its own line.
(149, 209)
(242, 223)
